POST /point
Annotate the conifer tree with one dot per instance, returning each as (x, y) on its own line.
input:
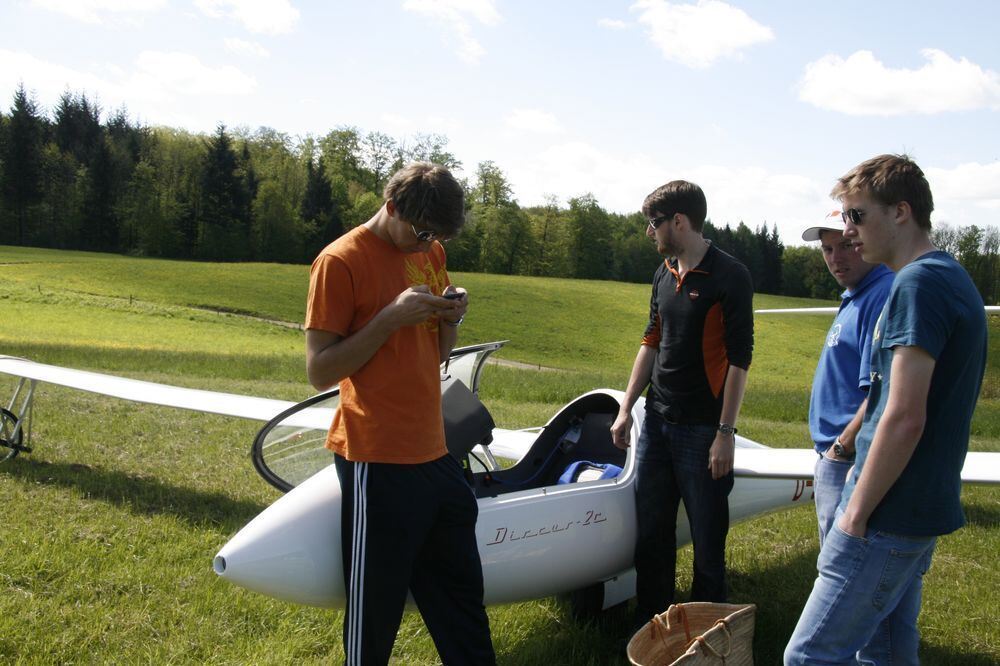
(21, 184)
(77, 127)
(319, 211)
(221, 230)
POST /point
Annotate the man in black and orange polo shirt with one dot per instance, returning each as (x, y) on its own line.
(694, 357)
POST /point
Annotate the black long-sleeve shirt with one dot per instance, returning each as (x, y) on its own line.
(699, 325)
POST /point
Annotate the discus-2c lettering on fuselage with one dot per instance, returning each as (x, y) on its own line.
(516, 534)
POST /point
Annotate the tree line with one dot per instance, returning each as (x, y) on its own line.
(89, 180)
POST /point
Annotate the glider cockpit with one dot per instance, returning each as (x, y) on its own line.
(291, 447)
(580, 434)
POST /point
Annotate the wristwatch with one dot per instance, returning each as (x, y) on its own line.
(727, 429)
(841, 452)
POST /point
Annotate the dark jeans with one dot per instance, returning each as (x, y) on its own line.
(673, 465)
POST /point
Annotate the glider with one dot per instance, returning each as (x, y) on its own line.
(537, 536)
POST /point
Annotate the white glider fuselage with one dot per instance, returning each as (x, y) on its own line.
(533, 543)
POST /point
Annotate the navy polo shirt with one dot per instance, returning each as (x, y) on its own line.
(933, 305)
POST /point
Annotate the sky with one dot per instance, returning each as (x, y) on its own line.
(763, 104)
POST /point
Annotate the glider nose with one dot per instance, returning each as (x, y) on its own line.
(291, 551)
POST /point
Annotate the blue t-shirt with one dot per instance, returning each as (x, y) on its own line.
(841, 380)
(932, 305)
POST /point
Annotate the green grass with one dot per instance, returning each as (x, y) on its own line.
(108, 529)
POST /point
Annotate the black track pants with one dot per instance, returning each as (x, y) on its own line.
(411, 528)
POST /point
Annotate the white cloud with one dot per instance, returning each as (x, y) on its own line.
(966, 194)
(49, 80)
(154, 80)
(612, 24)
(756, 195)
(405, 126)
(245, 48)
(574, 168)
(969, 183)
(258, 16)
(453, 13)
(184, 74)
(697, 35)
(862, 85)
(97, 11)
(534, 120)
(753, 194)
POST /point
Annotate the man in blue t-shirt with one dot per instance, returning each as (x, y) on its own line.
(840, 385)
(927, 362)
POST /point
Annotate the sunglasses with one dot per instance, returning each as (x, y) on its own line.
(852, 215)
(655, 222)
(425, 235)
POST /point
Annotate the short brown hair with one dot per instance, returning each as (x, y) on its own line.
(427, 196)
(889, 179)
(678, 196)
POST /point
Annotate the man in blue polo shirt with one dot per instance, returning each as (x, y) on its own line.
(927, 362)
(840, 386)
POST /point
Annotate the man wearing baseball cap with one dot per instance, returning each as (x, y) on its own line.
(840, 386)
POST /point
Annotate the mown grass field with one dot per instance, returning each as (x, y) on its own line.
(108, 528)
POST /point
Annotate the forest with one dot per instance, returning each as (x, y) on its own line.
(81, 178)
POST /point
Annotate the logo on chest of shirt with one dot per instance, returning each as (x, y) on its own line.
(424, 272)
(693, 294)
(833, 337)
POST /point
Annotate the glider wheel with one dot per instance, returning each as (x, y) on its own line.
(10, 445)
(585, 604)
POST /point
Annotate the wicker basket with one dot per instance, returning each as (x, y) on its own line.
(696, 633)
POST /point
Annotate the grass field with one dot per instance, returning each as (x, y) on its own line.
(108, 528)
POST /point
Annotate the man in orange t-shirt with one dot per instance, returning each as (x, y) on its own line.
(381, 317)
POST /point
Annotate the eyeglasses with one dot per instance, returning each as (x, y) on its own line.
(655, 222)
(424, 235)
(852, 215)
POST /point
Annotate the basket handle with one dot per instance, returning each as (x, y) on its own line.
(729, 641)
(661, 629)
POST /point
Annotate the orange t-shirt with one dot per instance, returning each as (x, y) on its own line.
(390, 409)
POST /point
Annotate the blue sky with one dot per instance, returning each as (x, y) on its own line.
(763, 104)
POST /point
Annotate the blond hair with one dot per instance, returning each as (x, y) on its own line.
(890, 179)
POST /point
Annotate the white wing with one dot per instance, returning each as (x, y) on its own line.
(798, 311)
(227, 404)
(990, 309)
(768, 463)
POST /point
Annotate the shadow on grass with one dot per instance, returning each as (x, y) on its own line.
(779, 592)
(596, 640)
(138, 493)
(938, 655)
(981, 514)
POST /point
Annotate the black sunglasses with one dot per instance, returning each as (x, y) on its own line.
(424, 235)
(655, 222)
(852, 215)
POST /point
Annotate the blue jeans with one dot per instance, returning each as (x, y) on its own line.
(864, 605)
(828, 486)
(673, 465)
